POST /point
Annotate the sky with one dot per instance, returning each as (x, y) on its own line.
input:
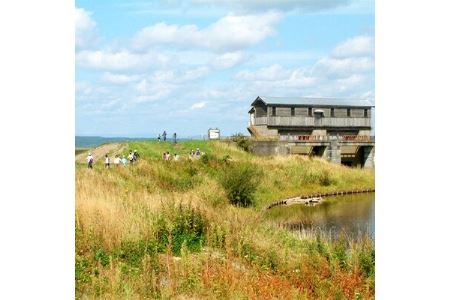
(186, 66)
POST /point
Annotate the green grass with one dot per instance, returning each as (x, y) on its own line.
(81, 150)
(164, 230)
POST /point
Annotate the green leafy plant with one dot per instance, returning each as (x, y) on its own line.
(240, 182)
(242, 141)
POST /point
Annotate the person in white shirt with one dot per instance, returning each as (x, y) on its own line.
(106, 161)
(117, 160)
(90, 160)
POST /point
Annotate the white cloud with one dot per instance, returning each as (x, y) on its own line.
(229, 60)
(287, 5)
(119, 78)
(121, 60)
(198, 105)
(194, 74)
(230, 33)
(355, 47)
(148, 91)
(342, 67)
(272, 73)
(85, 26)
(346, 71)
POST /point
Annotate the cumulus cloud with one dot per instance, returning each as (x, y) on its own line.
(272, 73)
(230, 33)
(85, 34)
(119, 78)
(120, 60)
(229, 60)
(198, 105)
(345, 71)
(285, 5)
(355, 47)
(330, 66)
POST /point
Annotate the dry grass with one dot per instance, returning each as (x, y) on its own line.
(129, 221)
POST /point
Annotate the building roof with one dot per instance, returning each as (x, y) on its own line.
(313, 101)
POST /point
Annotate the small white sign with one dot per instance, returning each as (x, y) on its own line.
(214, 134)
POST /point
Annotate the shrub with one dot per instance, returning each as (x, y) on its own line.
(240, 183)
(340, 252)
(325, 178)
(242, 141)
(366, 260)
(187, 225)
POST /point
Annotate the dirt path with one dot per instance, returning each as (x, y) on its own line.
(99, 152)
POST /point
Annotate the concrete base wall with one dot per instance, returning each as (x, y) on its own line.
(369, 154)
(270, 148)
(331, 151)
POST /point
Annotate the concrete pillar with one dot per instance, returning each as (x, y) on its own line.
(369, 154)
(334, 152)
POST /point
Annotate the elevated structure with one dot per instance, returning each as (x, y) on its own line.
(334, 128)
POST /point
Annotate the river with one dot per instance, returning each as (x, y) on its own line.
(351, 215)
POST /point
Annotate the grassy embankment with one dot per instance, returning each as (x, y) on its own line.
(167, 230)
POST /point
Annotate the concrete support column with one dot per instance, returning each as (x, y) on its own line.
(334, 151)
(369, 154)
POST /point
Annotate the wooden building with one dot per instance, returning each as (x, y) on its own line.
(333, 128)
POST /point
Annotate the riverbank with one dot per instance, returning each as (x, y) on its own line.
(167, 229)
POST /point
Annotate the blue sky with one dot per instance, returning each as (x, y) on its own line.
(185, 66)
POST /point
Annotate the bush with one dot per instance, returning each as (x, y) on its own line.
(187, 225)
(366, 260)
(240, 183)
(242, 141)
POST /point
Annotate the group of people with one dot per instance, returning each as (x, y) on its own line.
(196, 153)
(132, 158)
(164, 137)
(193, 154)
(166, 156)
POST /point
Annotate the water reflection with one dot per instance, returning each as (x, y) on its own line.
(351, 215)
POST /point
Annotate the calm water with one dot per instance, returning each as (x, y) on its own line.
(351, 215)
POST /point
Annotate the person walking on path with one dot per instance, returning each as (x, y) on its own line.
(106, 161)
(135, 155)
(164, 135)
(90, 160)
(131, 158)
(117, 160)
(175, 137)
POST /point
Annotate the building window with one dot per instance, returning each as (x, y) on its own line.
(292, 111)
(349, 114)
(310, 111)
(332, 112)
(366, 114)
(274, 111)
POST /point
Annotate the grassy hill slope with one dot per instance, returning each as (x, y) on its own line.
(162, 229)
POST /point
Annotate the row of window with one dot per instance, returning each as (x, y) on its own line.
(310, 112)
